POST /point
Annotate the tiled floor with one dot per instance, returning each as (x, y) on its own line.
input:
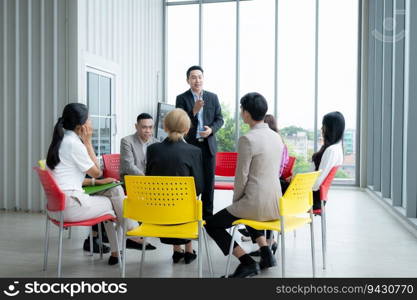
(363, 241)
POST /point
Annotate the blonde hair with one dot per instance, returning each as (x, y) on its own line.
(176, 124)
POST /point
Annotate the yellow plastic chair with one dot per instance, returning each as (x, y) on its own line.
(165, 207)
(293, 205)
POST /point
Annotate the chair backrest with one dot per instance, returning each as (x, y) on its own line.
(325, 185)
(111, 164)
(287, 172)
(226, 163)
(161, 200)
(54, 195)
(42, 164)
(298, 198)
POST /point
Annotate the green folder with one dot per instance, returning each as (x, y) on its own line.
(90, 190)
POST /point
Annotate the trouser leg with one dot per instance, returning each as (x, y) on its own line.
(216, 227)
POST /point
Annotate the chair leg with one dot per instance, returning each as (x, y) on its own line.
(210, 263)
(200, 260)
(313, 252)
(278, 237)
(282, 248)
(60, 244)
(100, 240)
(45, 258)
(282, 255)
(323, 234)
(91, 241)
(230, 252)
(69, 233)
(119, 255)
(124, 252)
(142, 261)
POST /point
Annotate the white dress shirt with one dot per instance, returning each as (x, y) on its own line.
(332, 156)
(70, 172)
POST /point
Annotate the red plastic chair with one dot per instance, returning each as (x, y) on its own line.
(111, 164)
(324, 190)
(288, 169)
(56, 203)
(225, 166)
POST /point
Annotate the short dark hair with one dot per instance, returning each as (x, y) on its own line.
(194, 68)
(143, 116)
(255, 104)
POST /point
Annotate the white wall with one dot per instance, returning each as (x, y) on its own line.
(33, 88)
(42, 68)
(123, 37)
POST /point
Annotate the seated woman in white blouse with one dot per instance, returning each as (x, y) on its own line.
(70, 157)
(331, 153)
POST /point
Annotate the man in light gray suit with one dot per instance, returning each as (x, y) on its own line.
(257, 187)
(133, 147)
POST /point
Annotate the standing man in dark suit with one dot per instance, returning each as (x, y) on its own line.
(204, 110)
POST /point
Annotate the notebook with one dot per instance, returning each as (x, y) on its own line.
(90, 190)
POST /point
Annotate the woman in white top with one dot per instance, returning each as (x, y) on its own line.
(70, 157)
(331, 153)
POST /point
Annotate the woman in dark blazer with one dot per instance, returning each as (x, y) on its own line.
(174, 157)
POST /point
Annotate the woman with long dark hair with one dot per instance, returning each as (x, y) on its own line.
(272, 123)
(70, 157)
(331, 153)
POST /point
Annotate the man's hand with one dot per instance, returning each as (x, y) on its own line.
(197, 106)
(206, 132)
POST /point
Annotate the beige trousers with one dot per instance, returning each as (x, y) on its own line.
(107, 202)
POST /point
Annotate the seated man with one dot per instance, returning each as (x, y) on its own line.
(133, 156)
(133, 147)
(257, 187)
(132, 162)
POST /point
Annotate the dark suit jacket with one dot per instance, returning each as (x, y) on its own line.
(212, 116)
(175, 159)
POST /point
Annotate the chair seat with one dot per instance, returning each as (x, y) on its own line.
(291, 223)
(224, 186)
(182, 231)
(89, 222)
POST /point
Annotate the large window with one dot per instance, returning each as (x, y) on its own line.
(99, 101)
(299, 83)
(218, 62)
(257, 51)
(296, 69)
(337, 71)
(182, 47)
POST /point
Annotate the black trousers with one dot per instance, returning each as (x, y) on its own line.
(316, 200)
(216, 227)
(209, 164)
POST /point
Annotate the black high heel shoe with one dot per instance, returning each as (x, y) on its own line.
(177, 256)
(113, 260)
(189, 257)
(274, 248)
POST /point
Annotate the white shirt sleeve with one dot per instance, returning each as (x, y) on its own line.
(81, 158)
(328, 161)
